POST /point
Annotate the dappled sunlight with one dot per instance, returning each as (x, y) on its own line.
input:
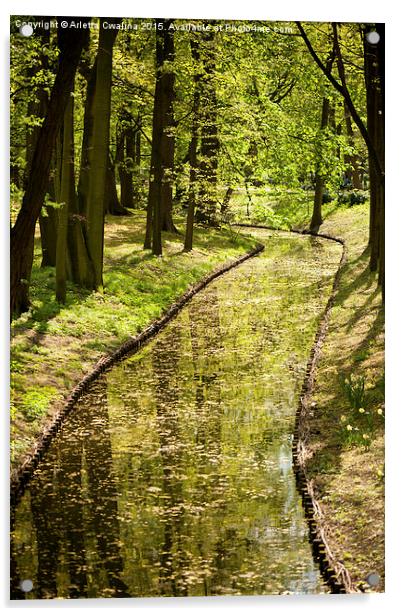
(191, 438)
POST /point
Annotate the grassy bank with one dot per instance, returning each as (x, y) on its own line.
(54, 346)
(347, 424)
(346, 456)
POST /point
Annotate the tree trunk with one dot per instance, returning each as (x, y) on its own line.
(125, 180)
(206, 212)
(317, 219)
(98, 155)
(381, 151)
(80, 268)
(83, 181)
(71, 42)
(38, 107)
(48, 224)
(352, 159)
(137, 162)
(193, 152)
(374, 76)
(138, 140)
(155, 191)
(161, 156)
(168, 137)
(128, 200)
(113, 205)
(226, 200)
(67, 194)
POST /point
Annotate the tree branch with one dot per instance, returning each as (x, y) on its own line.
(343, 90)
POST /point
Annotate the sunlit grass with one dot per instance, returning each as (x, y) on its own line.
(54, 345)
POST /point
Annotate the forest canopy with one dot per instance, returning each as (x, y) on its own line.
(197, 119)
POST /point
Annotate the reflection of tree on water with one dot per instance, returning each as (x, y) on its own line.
(206, 345)
(207, 348)
(102, 490)
(165, 357)
(63, 508)
(200, 421)
(15, 578)
(182, 531)
(56, 502)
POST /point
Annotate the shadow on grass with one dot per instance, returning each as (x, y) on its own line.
(362, 279)
(44, 305)
(327, 421)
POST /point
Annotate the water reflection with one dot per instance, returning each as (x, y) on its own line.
(173, 476)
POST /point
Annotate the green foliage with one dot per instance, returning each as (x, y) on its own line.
(354, 389)
(353, 197)
(269, 216)
(358, 426)
(35, 401)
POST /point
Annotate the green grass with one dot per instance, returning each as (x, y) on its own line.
(54, 345)
(283, 208)
(35, 401)
(347, 427)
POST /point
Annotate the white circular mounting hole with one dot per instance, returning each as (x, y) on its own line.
(26, 585)
(26, 30)
(373, 579)
(373, 37)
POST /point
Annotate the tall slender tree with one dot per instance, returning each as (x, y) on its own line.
(70, 42)
(159, 209)
(317, 219)
(67, 193)
(372, 133)
(193, 150)
(209, 142)
(98, 155)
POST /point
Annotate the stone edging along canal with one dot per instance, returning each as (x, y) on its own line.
(334, 573)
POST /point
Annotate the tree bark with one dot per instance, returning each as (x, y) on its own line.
(168, 136)
(38, 107)
(128, 200)
(317, 219)
(113, 205)
(71, 42)
(374, 76)
(125, 177)
(67, 194)
(159, 208)
(208, 165)
(83, 181)
(98, 155)
(193, 151)
(352, 159)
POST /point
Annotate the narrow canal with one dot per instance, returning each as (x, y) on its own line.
(173, 475)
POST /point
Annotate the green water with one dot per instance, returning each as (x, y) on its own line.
(173, 476)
